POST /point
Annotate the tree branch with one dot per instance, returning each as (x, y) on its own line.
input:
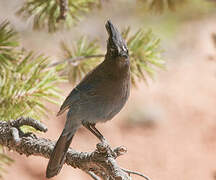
(76, 59)
(63, 10)
(137, 173)
(99, 164)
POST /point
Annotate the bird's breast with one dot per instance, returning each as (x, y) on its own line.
(104, 95)
(115, 97)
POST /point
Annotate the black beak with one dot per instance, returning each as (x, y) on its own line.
(114, 34)
(115, 41)
(112, 31)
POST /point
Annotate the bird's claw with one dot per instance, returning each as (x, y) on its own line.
(104, 147)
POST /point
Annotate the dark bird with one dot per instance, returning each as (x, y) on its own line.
(97, 98)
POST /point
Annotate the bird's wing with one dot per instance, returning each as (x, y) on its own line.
(73, 97)
(84, 90)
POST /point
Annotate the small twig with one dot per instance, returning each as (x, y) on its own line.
(93, 175)
(29, 122)
(63, 10)
(121, 150)
(75, 59)
(137, 173)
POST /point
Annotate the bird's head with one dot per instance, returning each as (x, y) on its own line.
(116, 46)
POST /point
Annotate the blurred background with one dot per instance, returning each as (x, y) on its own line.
(169, 123)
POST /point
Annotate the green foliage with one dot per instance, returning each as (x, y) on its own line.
(81, 66)
(145, 54)
(47, 12)
(8, 43)
(26, 81)
(8, 37)
(25, 87)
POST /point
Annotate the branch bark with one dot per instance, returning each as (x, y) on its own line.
(99, 164)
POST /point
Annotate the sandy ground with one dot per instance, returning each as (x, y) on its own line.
(168, 127)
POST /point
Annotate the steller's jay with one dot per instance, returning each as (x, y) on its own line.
(97, 98)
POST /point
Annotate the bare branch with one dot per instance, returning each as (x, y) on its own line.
(137, 173)
(99, 164)
(93, 175)
(29, 122)
(77, 59)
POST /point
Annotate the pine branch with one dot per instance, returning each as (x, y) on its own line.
(145, 54)
(76, 60)
(80, 57)
(47, 13)
(63, 10)
(8, 43)
(25, 83)
(99, 163)
(25, 80)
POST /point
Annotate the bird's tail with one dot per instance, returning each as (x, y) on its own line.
(57, 157)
